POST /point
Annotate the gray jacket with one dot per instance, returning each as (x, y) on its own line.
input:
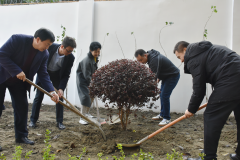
(84, 75)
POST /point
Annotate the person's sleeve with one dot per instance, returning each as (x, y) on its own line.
(6, 51)
(86, 69)
(66, 75)
(158, 62)
(153, 66)
(199, 86)
(44, 76)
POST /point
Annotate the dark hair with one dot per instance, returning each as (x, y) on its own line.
(95, 46)
(44, 34)
(69, 41)
(180, 46)
(140, 52)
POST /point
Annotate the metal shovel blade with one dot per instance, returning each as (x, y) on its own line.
(159, 130)
(130, 145)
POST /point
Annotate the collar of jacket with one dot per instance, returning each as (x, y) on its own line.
(91, 57)
(151, 54)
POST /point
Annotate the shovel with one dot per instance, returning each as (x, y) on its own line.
(72, 108)
(160, 130)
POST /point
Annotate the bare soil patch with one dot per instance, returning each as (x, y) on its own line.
(185, 137)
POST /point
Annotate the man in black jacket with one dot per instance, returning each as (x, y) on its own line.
(167, 72)
(59, 67)
(219, 66)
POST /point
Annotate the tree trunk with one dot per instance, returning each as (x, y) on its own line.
(123, 115)
(122, 119)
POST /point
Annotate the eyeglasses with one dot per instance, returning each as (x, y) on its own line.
(68, 50)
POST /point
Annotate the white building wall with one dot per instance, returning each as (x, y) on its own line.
(26, 19)
(236, 26)
(90, 21)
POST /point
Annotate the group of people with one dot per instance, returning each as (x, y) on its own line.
(23, 56)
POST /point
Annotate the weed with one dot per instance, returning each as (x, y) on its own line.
(2, 157)
(175, 155)
(18, 153)
(46, 154)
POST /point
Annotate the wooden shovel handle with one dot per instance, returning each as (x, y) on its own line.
(67, 101)
(60, 102)
(74, 110)
(173, 122)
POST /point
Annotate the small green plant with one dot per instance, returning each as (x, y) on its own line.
(61, 38)
(28, 154)
(133, 156)
(72, 158)
(47, 150)
(99, 155)
(2, 157)
(205, 32)
(63, 33)
(120, 45)
(145, 156)
(18, 153)
(119, 146)
(100, 59)
(167, 25)
(132, 33)
(202, 155)
(80, 156)
(175, 155)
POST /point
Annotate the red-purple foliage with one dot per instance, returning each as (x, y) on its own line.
(124, 82)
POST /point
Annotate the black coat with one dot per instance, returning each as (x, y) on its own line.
(161, 65)
(65, 70)
(214, 64)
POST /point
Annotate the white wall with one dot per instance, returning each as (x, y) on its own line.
(236, 26)
(84, 36)
(87, 21)
(26, 19)
(146, 18)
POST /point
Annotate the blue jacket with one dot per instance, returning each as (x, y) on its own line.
(65, 70)
(12, 55)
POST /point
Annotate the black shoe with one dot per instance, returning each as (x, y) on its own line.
(234, 157)
(60, 125)
(24, 140)
(0, 148)
(32, 124)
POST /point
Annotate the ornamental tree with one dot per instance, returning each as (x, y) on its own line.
(126, 83)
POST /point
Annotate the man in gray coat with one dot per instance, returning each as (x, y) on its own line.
(84, 75)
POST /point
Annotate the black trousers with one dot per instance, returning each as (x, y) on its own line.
(54, 76)
(20, 106)
(215, 116)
